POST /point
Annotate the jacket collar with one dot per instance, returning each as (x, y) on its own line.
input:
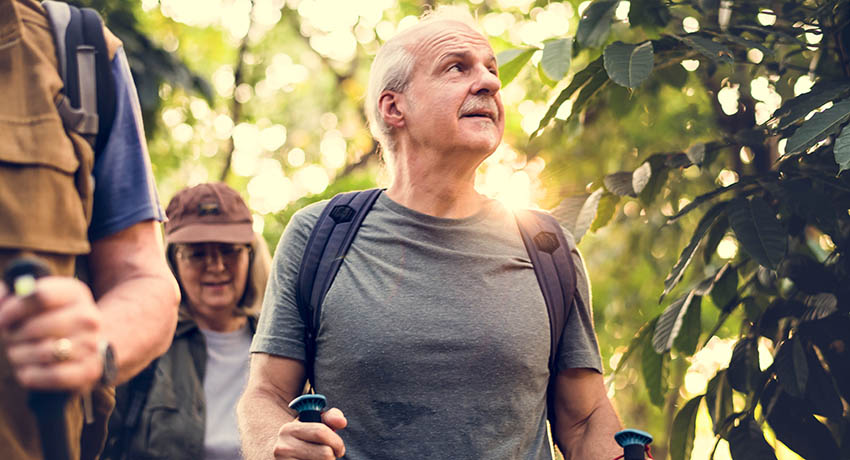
(186, 324)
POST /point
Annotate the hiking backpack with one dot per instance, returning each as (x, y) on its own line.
(338, 224)
(87, 105)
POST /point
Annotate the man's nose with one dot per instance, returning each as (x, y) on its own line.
(487, 82)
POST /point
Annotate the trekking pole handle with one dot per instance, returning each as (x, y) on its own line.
(309, 407)
(47, 406)
(635, 443)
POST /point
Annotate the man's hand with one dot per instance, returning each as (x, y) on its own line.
(311, 441)
(52, 335)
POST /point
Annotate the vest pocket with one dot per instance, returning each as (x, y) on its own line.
(41, 204)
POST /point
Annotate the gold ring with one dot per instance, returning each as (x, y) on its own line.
(62, 349)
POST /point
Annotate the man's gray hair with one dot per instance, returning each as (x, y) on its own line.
(391, 70)
(393, 66)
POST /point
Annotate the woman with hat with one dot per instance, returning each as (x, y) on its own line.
(183, 405)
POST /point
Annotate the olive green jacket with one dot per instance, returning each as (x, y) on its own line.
(172, 418)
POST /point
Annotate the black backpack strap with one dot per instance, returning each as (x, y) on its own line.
(325, 250)
(104, 81)
(553, 264)
(88, 103)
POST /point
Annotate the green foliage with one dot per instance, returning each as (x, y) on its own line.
(682, 438)
(556, 58)
(511, 62)
(780, 193)
(628, 65)
(595, 24)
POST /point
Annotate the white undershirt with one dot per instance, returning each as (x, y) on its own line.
(226, 375)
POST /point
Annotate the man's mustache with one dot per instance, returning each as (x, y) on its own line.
(478, 104)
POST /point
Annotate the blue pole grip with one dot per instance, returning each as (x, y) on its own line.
(309, 407)
(633, 442)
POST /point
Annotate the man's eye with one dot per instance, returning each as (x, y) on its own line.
(456, 67)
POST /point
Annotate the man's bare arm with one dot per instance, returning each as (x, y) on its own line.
(585, 421)
(136, 293)
(268, 427)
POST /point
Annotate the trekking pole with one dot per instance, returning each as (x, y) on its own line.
(309, 407)
(635, 444)
(47, 406)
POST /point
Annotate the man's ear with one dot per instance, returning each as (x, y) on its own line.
(391, 108)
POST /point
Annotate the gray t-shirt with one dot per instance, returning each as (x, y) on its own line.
(433, 338)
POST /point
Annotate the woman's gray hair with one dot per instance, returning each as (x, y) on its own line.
(392, 70)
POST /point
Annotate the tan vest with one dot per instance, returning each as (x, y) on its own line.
(45, 201)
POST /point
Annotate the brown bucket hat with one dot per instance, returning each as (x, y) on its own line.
(208, 213)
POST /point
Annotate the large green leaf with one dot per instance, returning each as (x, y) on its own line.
(718, 398)
(842, 149)
(670, 322)
(818, 127)
(802, 105)
(651, 13)
(688, 253)
(605, 211)
(792, 370)
(577, 213)
(820, 306)
(744, 365)
(796, 426)
(595, 23)
(725, 286)
(820, 388)
(641, 177)
(579, 80)
(620, 183)
(746, 442)
(556, 58)
(628, 65)
(708, 47)
(587, 92)
(652, 365)
(684, 425)
(687, 339)
(511, 62)
(758, 231)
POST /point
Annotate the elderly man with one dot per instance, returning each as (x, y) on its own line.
(434, 333)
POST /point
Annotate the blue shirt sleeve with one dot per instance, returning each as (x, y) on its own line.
(124, 189)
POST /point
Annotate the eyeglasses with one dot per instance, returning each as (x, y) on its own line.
(199, 255)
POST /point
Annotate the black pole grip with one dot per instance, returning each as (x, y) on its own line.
(47, 406)
(634, 452)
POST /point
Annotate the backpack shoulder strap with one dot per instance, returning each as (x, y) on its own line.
(553, 265)
(325, 250)
(88, 103)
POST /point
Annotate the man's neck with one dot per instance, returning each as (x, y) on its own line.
(437, 185)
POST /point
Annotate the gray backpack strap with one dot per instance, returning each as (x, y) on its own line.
(88, 98)
(556, 273)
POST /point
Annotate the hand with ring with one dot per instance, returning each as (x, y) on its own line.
(52, 336)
